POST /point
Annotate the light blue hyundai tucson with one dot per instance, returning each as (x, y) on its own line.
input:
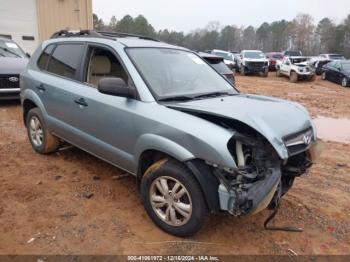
(195, 144)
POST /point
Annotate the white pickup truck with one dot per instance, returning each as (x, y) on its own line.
(296, 68)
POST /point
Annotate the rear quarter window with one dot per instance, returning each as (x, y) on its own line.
(66, 59)
(44, 57)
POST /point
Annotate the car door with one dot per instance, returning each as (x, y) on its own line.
(104, 122)
(56, 83)
(330, 71)
(338, 75)
(285, 66)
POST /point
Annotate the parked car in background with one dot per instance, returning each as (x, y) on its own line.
(317, 63)
(228, 57)
(195, 145)
(218, 63)
(254, 62)
(273, 58)
(337, 71)
(292, 53)
(296, 68)
(333, 56)
(13, 61)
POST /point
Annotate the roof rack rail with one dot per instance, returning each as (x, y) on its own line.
(80, 33)
(99, 34)
(119, 34)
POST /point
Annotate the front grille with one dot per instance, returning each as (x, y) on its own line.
(299, 142)
(6, 83)
(256, 64)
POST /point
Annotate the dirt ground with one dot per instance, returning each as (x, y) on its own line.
(72, 203)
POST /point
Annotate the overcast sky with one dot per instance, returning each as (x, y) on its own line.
(186, 15)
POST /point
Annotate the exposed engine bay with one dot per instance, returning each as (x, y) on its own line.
(260, 179)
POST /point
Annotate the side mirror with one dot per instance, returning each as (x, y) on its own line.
(116, 87)
(27, 55)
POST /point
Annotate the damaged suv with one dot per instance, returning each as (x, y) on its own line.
(195, 144)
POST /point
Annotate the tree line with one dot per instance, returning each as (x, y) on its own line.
(299, 34)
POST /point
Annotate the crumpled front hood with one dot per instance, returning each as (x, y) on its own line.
(12, 65)
(273, 118)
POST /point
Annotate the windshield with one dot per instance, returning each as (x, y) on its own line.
(278, 57)
(336, 57)
(10, 49)
(292, 53)
(171, 72)
(254, 55)
(226, 56)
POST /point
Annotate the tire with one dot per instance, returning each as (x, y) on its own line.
(39, 136)
(171, 172)
(344, 82)
(324, 76)
(242, 71)
(278, 73)
(312, 78)
(266, 73)
(293, 77)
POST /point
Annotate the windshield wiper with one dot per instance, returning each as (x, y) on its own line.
(176, 98)
(213, 94)
(11, 52)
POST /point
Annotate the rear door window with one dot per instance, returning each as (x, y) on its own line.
(66, 59)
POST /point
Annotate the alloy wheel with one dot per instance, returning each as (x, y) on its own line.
(36, 132)
(170, 201)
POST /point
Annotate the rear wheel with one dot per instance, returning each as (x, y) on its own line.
(173, 198)
(39, 136)
(293, 77)
(344, 82)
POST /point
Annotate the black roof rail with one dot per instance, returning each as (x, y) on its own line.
(99, 34)
(119, 34)
(81, 33)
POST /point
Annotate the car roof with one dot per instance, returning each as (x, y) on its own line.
(298, 57)
(246, 51)
(126, 41)
(206, 55)
(221, 51)
(5, 39)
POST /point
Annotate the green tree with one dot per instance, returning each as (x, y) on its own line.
(125, 25)
(113, 24)
(227, 38)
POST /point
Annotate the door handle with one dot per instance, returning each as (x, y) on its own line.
(41, 87)
(81, 102)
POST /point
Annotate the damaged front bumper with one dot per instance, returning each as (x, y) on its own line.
(251, 198)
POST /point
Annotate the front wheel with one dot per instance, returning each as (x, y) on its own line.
(312, 78)
(173, 198)
(278, 72)
(293, 77)
(344, 82)
(39, 136)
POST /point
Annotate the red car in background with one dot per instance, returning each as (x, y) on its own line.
(273, 57)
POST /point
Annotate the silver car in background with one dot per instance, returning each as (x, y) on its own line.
(13, 61)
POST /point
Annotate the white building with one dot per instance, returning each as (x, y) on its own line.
(28, 22)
